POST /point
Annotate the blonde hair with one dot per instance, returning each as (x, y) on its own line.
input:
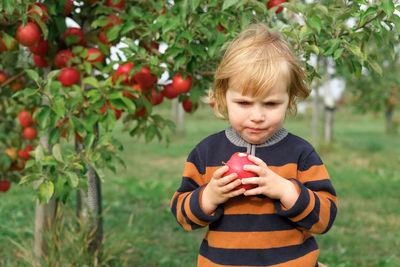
(260, 57)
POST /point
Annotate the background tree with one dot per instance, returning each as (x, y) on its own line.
(76, 89)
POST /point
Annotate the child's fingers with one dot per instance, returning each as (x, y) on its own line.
(219, 172)
(257, 161)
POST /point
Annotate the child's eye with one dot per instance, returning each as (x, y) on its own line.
(243, 103)
(271, 104)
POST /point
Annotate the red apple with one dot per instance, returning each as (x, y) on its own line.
(3, 77)
(69, 76)
(41, 48)
(273, 3)
(3, 46)
(25, 118)
(145, 79)
(19, 165)
(4, 185)
(94, 55)
(170, 91)
(24, 154)
(182, 85)
(29, 34)
(156, 97)
(68, 7)
(111, 21)
(236, 164)
(123, 70)
(29, 133)
(74, 36)
(63, 126)
(62, 57)
(187, 105)
(18, 84)
(40, 61)
(115, 3)
(140, 112)
(12, 153)
(117, 112)
(40, 10)
(103, 38)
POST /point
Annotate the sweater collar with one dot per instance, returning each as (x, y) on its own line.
(235, 138)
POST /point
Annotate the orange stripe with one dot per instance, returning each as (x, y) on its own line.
(249, 205)
(312, 173)
(307, 260)
(286, 171)
(254, 240)
(192, 172)
(179, 216)
(324, 214)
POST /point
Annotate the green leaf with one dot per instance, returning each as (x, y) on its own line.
(8, 6)
(396, 21)
(54, 135)
(43, 116)
(73, 179)
(194, 4)
(388, 7)
(56, 151)
(58, 106)
(46, 191)
(91, 81)
(127, 27)
(33, 75)
(316, 23)
(39, 153)
(376, 67)
(229, 3)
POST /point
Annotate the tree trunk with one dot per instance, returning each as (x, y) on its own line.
(178, 116)
(89, 206)
(45, 213)
(389, 123)
(44, 220)
(329, 111)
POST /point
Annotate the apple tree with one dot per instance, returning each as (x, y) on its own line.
(87, 64)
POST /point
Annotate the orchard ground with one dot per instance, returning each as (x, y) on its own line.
(140, 230)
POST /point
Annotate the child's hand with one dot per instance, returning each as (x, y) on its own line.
(220, 189)
(270, 184)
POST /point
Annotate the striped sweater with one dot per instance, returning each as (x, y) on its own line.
(257, 230)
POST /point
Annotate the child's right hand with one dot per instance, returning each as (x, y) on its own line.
(220, 189)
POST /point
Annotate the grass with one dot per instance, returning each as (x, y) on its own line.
(364, 165)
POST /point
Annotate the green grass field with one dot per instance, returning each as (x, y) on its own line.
(363, 162)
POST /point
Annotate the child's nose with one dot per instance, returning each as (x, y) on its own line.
(257, 115)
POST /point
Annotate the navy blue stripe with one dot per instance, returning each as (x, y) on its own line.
(257, 257)
(333, 212)
(174, 204)
(251, 223)
(298, 207)
(188, 184)
(198, 212)
(188, 221)
(313, 216)
(321, 185)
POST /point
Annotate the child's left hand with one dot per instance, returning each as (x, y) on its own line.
(270, 184)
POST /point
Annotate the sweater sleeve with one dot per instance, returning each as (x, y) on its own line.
(316, 207)
(185, 204)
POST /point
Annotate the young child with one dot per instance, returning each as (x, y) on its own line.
(257, 82)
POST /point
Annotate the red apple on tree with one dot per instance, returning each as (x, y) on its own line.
(29, 34)
(25, 118)
(94, 55)
(69, 76)
(156, 97)
(145, 78)
(124, 70)
(236, 164)
(40, 61)
(111, 21)
(74, 36)
(115, 3)
(117, 112)
(273, 3)
(182, 85)
(3, 77)
(40, 10)
(68, 7)
(40, 48)
(29, 133)
(12, 153)
(62, 57)
(24, 154)
(170, 91)
(187, 105)
(4, 185)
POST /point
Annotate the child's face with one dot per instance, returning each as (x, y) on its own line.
(256, 119)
